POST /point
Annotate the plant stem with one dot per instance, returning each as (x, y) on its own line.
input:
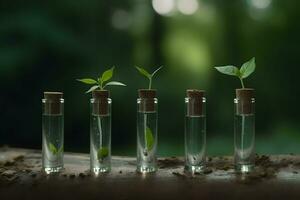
(150, 83)
(243, 125)
(243, 133)
(100, 129)
(242, 83)
(145, 131)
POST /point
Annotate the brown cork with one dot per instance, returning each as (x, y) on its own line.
(195, 105)
(53, 105)
(147, 100)
(100, 105)
(245, 97)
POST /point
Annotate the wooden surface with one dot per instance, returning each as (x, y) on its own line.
(275, 177)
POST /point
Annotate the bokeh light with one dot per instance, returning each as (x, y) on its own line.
(187, 7)
(260, 4)
(163, 7)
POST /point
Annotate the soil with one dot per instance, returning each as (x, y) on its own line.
(18, 172)
(171, 162)
(16, 169)
(264, 168)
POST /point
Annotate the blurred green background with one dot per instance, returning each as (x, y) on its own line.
(46, 45)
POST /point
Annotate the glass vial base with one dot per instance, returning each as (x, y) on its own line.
(194, 169)
(244, 168)
(53, 170)
(99, 170)
(146, 169)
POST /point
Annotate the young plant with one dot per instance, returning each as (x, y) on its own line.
(100, 84)
(242, 73)
(148, 75)
(148, 134)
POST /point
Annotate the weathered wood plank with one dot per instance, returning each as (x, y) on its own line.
(20, 173)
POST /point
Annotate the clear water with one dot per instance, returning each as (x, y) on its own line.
(244, 141)
(100, 143)
(146, 147)
(195, 143)
(53, 143)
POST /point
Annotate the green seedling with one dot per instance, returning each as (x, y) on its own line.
(149, 139)
(242, 73)
(101, 82)
(55, 150)
(148, 75)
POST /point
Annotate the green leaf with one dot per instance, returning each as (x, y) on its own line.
(107, 75)
(144, 72)
(92, 88)
(229, 70)
(114, 83)
(149, 138)
(61, 149)
(247, 68)
(53, 149)
(87, 81)
(156, 71)
(102, 153)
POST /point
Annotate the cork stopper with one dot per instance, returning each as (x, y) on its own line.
(244, 97)
(195, 105)
(53, 96)
(147, 100)
(53, 105)
(147, 94)
(100, 105)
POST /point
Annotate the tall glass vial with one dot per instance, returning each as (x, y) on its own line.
(195, 131)
(53, 132)
(244, 129)
(100, 132)
(146, 131)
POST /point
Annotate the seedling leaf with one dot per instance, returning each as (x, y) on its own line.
(149, 138)
(88, 81)
(53, 149)
(229, 70)
(93, 88)
(102, 153)
(114, 83)
(156, 71)
(100, 82)
(144, 72)
(247, 68)
(107, 75)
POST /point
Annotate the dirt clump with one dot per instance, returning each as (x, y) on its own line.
(171, 162)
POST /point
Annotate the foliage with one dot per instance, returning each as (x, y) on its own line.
(101, 82)
(242, 73)
(148, 75)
